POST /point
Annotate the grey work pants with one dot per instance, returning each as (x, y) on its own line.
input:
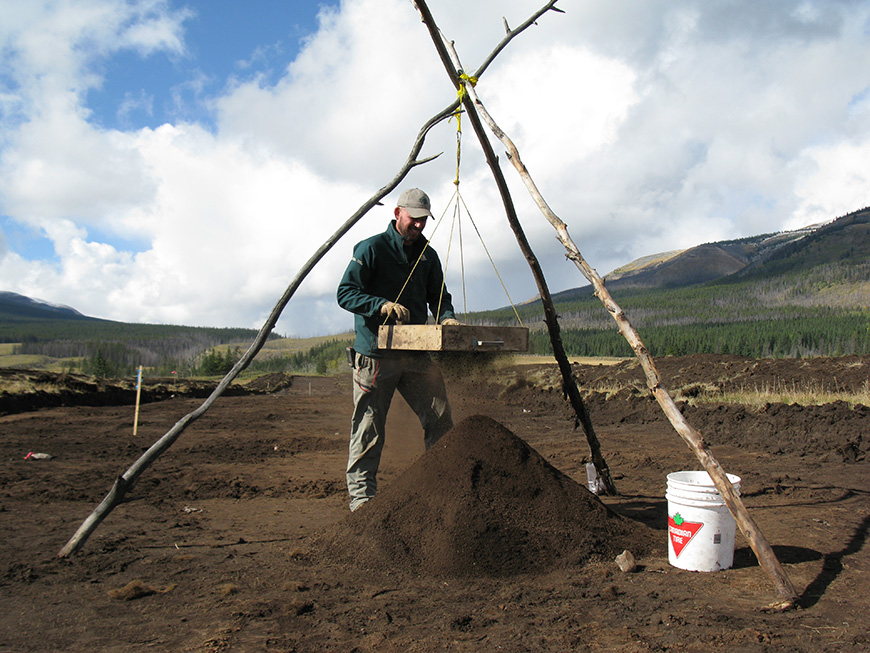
(418, 379)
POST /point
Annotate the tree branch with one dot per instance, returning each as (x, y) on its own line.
(569, 386)
(126, 482)
(762, 549)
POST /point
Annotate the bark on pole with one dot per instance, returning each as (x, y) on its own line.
(126, 481)
(569, 386)
(786, 593)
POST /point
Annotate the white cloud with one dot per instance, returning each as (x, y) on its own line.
(227, 232)
(543, 96)
(61, 166)
(833, 181)
(132, 103)
(648, 126)
(152, 28)
(351, 102)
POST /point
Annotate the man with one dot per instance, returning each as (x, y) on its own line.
(393, 277)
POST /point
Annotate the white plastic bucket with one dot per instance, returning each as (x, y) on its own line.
(700, 528)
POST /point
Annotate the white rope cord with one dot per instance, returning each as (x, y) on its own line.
(456, 199)
(494, 267)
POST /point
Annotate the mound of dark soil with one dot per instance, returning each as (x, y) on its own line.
(482, 502)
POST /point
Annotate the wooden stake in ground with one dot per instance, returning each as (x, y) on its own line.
(762, 549)
(138, 397)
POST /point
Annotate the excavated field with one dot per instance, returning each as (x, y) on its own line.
(239, 538)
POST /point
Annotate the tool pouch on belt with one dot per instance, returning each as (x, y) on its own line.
(351, 356)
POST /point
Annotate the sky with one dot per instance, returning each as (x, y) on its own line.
(178, 161)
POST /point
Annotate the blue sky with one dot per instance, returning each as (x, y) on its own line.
(177, 162)
(224, 40)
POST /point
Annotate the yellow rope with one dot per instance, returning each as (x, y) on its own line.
(458, 144)
(463, 78)
(461, 93)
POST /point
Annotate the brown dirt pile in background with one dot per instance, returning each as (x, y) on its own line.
(482, 502)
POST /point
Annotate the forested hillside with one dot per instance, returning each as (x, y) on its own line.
(46, 331)
(807, 296)
(108, 348)
(796, 294)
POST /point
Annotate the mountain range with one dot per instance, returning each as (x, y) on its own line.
(844, 241)
(15, 307)
(802, 292)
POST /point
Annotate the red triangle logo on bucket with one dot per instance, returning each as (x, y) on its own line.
(681, 532)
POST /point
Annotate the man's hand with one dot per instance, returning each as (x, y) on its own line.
(393, 309)
(450, 321)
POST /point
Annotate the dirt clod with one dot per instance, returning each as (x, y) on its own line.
(136, 589)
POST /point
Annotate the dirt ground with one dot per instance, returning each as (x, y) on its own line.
(239, 537)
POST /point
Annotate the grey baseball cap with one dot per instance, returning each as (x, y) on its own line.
(416, 202)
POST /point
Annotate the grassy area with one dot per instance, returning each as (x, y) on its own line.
(285, 346)
(27, 361)
(759, 396)
(8, 358)
(756, 396)
(276, 348)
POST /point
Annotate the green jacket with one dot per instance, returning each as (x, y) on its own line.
(376, 274)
